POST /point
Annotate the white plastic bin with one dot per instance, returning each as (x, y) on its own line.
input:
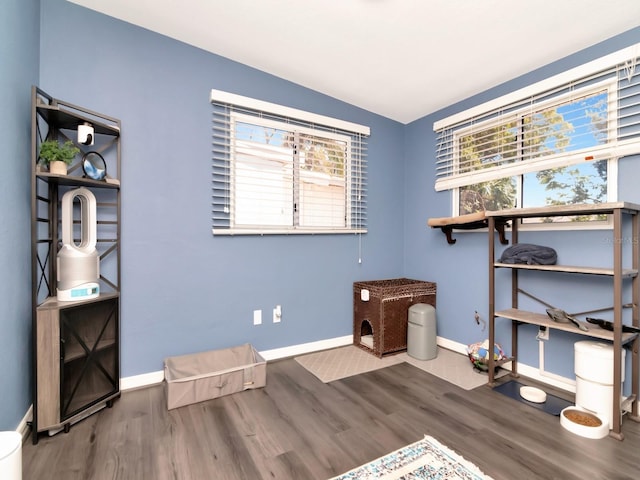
(203, 376)
(10, 456)
(594, 377)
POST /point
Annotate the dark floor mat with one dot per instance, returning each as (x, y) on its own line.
(554, 405)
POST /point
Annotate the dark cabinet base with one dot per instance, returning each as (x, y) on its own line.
(78, 360)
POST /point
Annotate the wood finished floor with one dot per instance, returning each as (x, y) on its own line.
(299, 428)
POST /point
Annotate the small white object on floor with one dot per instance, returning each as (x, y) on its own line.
(533, 394)
(595, 432)
(367, 340)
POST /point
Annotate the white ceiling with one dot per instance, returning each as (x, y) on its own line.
(402, 59)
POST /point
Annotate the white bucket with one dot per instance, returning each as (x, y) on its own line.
(594, 378)
(10, 456)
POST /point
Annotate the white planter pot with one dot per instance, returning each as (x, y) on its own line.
(58, 168)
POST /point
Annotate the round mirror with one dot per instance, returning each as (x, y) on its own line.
(94, 166)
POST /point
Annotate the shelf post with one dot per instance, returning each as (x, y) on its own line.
(616, 431)
(635, 295)
(492, 307)
(514, 303)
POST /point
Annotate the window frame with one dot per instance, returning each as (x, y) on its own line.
(296, 173)
(616, 72)
(521, 167)
(231, 108)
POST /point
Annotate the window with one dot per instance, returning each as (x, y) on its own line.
(280, 170)
(554, 143)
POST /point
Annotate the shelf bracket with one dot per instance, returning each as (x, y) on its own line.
(472, 221)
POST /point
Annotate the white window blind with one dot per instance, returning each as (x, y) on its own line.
(588, 114)
(281, 170)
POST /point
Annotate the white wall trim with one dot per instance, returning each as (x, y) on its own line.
(594, 66)
(303, 348)
(254, 104)
(453, 346)
(557, 381)
(152, 378)
(143, 380)
(533, 373)
(23, 428)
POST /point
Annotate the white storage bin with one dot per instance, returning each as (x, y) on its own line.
(594, 378)
(203, 376)
(594, 361)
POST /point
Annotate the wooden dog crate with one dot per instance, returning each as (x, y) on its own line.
(380, 311)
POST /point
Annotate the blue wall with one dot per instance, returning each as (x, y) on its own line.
(185, 290)
(19, 25)
(461, 270)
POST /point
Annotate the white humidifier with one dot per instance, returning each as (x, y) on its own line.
(78, 263)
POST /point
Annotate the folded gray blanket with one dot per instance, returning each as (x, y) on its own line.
(529, 254)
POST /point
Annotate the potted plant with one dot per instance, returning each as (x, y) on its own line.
(58, 155)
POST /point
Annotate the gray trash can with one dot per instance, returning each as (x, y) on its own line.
(421, 332)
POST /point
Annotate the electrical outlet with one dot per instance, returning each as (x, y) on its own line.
(277, 314)
(543, 333)
(257, 317)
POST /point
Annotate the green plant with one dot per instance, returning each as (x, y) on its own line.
(52, 151)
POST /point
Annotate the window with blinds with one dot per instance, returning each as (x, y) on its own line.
(554, 143)
(281, 170)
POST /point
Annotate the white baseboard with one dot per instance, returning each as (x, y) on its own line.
(23, 428)
(139, 381)
(557, 381)
(533, 373)
(451, 345)
(152, 378)
(285, 352)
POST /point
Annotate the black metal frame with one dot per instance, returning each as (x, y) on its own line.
(52, 118)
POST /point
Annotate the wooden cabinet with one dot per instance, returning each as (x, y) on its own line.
(78, 351)
(76, 343)
(618, 274)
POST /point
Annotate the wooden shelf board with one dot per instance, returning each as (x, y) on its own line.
(74, 181)
(52, 302)
(66, 119)
(626, 272)
(562, 210)
(542, 319)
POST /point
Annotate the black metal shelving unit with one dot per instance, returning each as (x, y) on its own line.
(76, 344)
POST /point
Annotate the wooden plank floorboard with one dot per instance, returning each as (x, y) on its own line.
(302, 429)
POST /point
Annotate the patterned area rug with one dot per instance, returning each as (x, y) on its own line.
(424, 459)
(337, 363)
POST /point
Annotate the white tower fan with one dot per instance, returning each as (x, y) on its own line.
(78, 264)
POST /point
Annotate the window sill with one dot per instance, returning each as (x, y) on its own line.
(297, 231)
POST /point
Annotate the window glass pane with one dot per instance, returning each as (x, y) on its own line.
(568, 126)
(488, 147)
(582, 183)
(572, 125)
(493, 195)
(273, 173)
(323, 186)
(263, 176)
